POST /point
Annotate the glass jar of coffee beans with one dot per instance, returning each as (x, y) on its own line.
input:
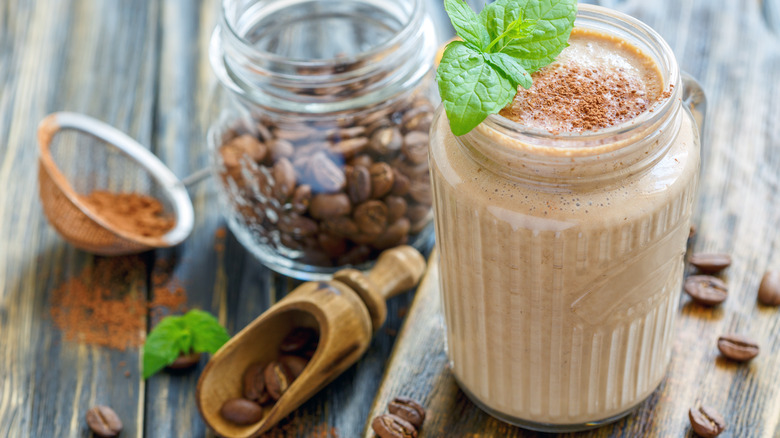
(321, 156)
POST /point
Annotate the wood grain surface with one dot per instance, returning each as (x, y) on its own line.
(143, 67)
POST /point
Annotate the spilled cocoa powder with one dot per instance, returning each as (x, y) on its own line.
(104, 305)
(131, 212)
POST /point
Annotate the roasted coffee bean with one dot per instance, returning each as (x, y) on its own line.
(375, 116)
(355, 256)
(341, 226)
(706, 290)
(737, 347)
(103, 421)
(301, 198)
(297, 226)
(331, 245)
(350, 147)
(395, 234)
(382, 179)
(417, 213)
(371, 217)
(250, 146)
(314, 256)
(294, 364)
(401, 183)
(254, 381)
(339, 134)
(415, 147)
(396, 208)
(384, 122)
(241, 411)
(284, 178)
(277, 379)
(769, 290)
(298, 339)
(385, 141)
(294, 133)
(362, 160)
(420, 121)
(324, 175)
(325, 206)
(185, 361)
(359, 184)
(407, 409)
(710, 263)
(392, 426)
(278, 148)
(263, 132)
(706, 421)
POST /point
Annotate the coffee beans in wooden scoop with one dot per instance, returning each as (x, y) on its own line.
(103, 421)
(706, 422)
(769, 290)
(710, 263)
(407, 409)
(265, 383)
(706, 290)
(737, 347)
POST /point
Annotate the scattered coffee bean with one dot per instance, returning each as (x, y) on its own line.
(706, 421)
(241, 411)
(706, 290)
(298, 339)
(254, 381)
(103, 421)
(769, 290)
(710, 263)
(407, 409)
(391, 426)
(185, 361)
(737, 347)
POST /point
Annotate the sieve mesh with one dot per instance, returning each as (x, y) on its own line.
(74, 163)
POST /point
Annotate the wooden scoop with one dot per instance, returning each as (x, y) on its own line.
(346, 311)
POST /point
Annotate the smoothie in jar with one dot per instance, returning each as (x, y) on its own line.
(561, 225)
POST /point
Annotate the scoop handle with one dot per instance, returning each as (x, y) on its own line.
(397, 270)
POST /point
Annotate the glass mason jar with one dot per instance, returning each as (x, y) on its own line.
(561, 255)
(322, 153)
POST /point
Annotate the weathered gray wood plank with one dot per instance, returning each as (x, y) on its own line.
(55, 56)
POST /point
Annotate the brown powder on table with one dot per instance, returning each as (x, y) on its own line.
(130, 212)
(104, 305)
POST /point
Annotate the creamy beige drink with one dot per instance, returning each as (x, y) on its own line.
(562, 240)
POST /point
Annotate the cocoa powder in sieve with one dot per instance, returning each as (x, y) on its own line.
(131, 212)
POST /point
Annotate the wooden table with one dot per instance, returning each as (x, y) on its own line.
(143, 67)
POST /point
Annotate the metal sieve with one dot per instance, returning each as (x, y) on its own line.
(72, 165)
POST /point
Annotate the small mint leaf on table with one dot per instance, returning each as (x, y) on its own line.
(502, 46)
(196, 331)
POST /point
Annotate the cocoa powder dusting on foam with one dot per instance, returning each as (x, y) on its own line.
(600, 83)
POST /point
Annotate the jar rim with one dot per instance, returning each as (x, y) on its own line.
(602, 140)
(406, 29)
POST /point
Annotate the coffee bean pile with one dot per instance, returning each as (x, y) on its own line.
(264, 383)
(406, 417)
(335, 193)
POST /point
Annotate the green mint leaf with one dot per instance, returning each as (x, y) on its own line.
(208, 335)
(510, 67)
(164, 344)
(470, 88)
(532, 31)
(466, 23)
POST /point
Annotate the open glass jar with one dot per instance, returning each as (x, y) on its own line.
(321, 156)
(562, 253)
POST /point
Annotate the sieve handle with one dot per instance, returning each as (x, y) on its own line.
(182, 206)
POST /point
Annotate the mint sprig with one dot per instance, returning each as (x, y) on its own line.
(502, 46)
(196, 331)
